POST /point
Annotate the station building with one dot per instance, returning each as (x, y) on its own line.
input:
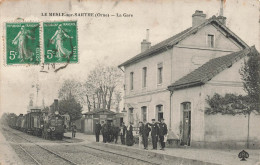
(173, 78)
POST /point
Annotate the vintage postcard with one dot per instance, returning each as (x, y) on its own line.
(130, 82)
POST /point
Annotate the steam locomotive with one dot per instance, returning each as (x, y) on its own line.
(40, 123)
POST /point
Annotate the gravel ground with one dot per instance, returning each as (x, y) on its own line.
(76, 152)
(41, 155)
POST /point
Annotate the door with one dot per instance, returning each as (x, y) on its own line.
(186, 123)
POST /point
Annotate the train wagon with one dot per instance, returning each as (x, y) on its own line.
(19, 122)
(34, 122)
(12, 121)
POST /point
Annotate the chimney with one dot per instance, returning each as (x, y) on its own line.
(145, 44)
(222, 19)
(198, 18)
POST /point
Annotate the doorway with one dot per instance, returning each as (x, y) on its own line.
(186, 133)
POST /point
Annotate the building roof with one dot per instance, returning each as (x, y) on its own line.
(170, 42)
(209, 70)
(100, 111)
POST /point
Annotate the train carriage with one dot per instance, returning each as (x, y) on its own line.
(33, 123)
(12, 121)
(44, 123)
(19, 122)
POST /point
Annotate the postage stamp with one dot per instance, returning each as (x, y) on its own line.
(60, 42)
(23, 43)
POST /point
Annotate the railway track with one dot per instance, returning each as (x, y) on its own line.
(97, 152)
(122, 155)
(32, 157)
(117, 154)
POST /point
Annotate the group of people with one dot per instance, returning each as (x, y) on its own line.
(110, 133)
(158, 131)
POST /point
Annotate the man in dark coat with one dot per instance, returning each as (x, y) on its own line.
(144, 132)
(104, 131)
(154, 133)
(162, 133)
(116, 131)
(97, 130)
(122, 133)
(109, 132)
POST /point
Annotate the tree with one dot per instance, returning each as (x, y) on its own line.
(103, 81)
(73, 87)
(250, 74)
(71, 106)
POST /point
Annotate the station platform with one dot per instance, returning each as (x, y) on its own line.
(7, 154)
(183, 154)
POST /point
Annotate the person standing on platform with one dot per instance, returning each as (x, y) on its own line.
(109, 132)
(145, 134)
(97, 130)
(141, 127)
(122, 133)
(116, 131)
(129, 135)
(162, 133)
(104, 131)
(154, 133)
(73, 130)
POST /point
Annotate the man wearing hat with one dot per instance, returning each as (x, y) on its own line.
(162, 133)
(144, 131)
(154, 133)
(122, 133)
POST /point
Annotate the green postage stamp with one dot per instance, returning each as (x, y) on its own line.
(23, 43)
(60, 42)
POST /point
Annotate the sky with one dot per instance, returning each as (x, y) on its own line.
(108, 40)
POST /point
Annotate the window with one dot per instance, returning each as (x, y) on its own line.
(210, 40)
(131, 80)
(186, 106)
(160, 73)
(159, 109)
(131, 115)
(144, 113)
(144, 76)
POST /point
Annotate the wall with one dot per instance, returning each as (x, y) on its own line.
(199, 39)
(151, 64)
(88, 126)
(227, 131)
(192, 52)
(150, 100)
(196, 97)
(227, 81)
